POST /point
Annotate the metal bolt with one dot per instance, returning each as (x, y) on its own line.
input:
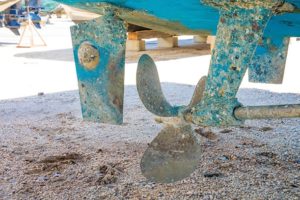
(88, 55)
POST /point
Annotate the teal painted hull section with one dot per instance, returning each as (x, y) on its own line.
(195, 15)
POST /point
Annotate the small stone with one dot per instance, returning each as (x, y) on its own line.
(107, 174)
(41, 94)
(245, 127)
(108, 179)
(207, 197)
(224, 158)
(30, 160)
(294, 185)
(99, 151)
(267, 154)
(265, 129)
(212, 174)
(56, 174)
(226, 131)
(57, 179)
(206, 133)
(42, 179)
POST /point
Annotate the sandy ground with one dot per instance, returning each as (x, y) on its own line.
(48, 152)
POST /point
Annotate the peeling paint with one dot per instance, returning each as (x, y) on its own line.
(239, 32)
(268, 62)
(101, 81)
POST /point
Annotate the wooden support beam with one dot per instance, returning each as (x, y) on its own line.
(33, 33)
(147, 34)
(200, 39)
(168, 42)
(135, 45)
(211, 40)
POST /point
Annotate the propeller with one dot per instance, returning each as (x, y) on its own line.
(175, 152)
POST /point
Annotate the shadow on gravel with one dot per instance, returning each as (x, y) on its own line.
(186, 50)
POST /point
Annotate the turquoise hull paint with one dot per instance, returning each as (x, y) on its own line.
(196, 16)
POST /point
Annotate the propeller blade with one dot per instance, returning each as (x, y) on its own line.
(173, 155)
(149, 89)
(199, 91)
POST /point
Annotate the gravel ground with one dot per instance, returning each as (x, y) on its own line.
(48, 152)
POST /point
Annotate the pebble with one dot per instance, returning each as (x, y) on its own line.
(206, 133)
(212, 174)
(56, 174)
(42, 179)
(208, 197)
(226, 131)
(265, 129)
(99, 151)
(224, 158)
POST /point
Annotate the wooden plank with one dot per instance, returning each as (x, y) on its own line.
(200, 39)
(147, 34)
(135, 45)
(79, 15)
(134, 28)
(168, 42)
(212, 41)
(7, 3)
